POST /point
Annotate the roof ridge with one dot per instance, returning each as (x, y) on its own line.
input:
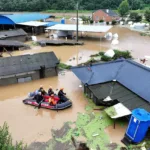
(100, 63)
(139, 65)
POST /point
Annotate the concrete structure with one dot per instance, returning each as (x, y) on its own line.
(16, 35)
(105, 14)
(19, 69)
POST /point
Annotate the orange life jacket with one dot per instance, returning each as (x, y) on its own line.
(52, 100)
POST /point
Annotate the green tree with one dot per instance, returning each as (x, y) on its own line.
(124, 8)
(134, 16)
(136, 4)
(147, 15)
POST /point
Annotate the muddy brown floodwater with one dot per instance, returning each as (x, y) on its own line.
(32, 125)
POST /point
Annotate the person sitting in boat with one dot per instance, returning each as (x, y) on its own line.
(39, 98)
(41, 89)
(52, 100)
(62, 96)
(50, 91)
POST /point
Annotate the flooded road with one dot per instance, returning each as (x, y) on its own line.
(30, 124)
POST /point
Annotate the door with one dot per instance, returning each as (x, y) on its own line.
(133, 127)
(42, 72)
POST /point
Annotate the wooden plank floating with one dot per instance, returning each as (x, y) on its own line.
(59, 42)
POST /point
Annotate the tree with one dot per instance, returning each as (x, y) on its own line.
(147, 15)
(123, 8)
(136, 4)
(134, 16)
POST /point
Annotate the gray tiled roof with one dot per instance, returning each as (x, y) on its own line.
(12, 33)
(26, 63)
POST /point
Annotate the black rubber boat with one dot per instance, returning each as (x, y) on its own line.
(59, 106)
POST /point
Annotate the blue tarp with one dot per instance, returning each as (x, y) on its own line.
(132, 75)
(52, 23)
(20, 18)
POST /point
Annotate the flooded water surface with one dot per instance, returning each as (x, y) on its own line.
(31, 124)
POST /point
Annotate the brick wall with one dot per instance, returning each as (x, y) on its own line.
(100, 15)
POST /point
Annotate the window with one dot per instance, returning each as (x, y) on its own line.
(97, 18)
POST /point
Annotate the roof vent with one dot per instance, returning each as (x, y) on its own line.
(107, 10)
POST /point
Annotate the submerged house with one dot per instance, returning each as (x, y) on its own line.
(19, 69)
(122, 84)
(16, 35)
(10, 45)
(105, 14)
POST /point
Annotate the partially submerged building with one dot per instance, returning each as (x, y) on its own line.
(122, 84)
(33, 23)
(19, 69)
(10, 45)
(16, 35)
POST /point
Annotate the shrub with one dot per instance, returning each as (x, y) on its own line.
(124, 54)
(91, 21)
(135, 17)
(147, 15)
(114, 22)
(107, 22)
(105, 58)
(101, 53)
(6, 140)
(101, 21)
(64, 66)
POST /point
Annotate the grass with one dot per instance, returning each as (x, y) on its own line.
(6, 140)
(64, 66)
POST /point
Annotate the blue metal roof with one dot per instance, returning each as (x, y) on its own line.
(135, 77)
(19, 18)
(132, 75)
(97, 73)
(52, 23)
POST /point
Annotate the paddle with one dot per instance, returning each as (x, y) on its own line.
(39, 106)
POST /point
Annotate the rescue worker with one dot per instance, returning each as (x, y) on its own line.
(61, 95)
(52, 100)
(41, 89)
(50, 91)
(39, 99)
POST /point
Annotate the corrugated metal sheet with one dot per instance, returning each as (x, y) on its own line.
(26, 63)
(135, 77)
(130, 74)
(97, 73)
(101, 91)
(120, 93)
(19, 18)
(82, 28)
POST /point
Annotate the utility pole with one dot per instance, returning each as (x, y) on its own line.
(77, 24)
